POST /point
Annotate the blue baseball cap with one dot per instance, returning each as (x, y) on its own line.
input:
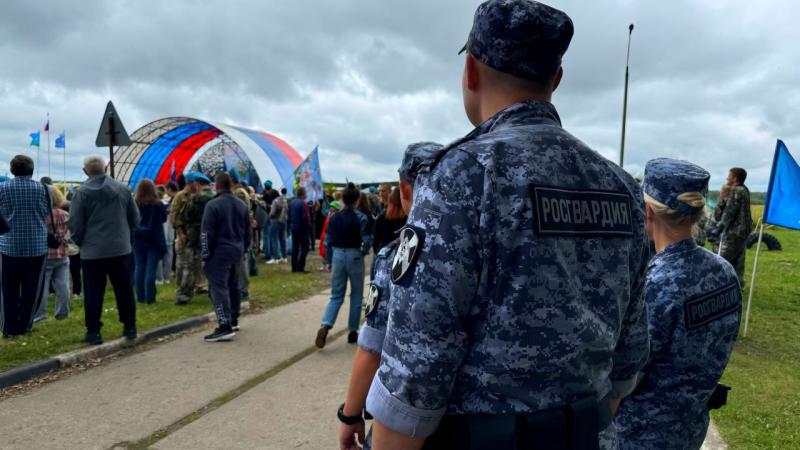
(523, 38)
(665, 179)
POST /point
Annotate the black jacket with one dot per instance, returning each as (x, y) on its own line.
(226, 223)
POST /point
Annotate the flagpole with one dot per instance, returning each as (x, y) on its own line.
(625, 100)
(64, 153)
(49, 170)
(753, 279)
(38, 153)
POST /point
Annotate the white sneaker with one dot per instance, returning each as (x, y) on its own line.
(284, 261)
(272, 261)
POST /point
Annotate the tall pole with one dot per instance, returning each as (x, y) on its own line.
(64, 153)
(111, 137)
(38, 157)
(625, 100)
(49, 171)
(753, 279)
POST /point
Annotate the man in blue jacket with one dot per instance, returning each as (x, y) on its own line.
(300, 226)
(224, 237)
(24, 205)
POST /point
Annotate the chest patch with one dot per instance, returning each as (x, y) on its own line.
(577, 213)
(709, 307)
(372, 300)
(407, 253)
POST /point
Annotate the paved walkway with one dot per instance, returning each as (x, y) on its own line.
(270, 389)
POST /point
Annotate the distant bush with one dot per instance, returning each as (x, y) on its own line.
(756, 198)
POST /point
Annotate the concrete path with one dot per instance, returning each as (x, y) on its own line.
(130, 399)
(270, 389)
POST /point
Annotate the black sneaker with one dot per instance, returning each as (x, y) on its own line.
(221, 334)
(352, 338)
(322, 336)
(235, 324)
(130, 332)
(93, 338)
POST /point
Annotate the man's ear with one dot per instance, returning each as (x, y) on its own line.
(471, 74)
(557, 78)
(406, 191)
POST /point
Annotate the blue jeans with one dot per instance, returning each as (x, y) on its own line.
(146, 261)
(57, 271)
(266, 242)
(348, 263)
(277, 230)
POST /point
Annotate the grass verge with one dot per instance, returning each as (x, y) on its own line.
(273, 286)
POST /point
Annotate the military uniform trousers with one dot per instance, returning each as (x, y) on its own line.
(733, 250)
(243, 273)
(222, 271)
(187, 266)
(576, 426)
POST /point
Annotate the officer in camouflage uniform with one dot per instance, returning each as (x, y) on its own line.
(693, 309)
(373, 332)
(735, 221)
(176, 207)
(191, 217)
(517, 315)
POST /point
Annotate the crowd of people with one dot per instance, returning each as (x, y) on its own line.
(73, 245)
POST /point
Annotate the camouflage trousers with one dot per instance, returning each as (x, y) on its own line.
(244, 273)
(733, 250)
(187, 266)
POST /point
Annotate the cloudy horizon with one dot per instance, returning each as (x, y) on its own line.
(714, 82)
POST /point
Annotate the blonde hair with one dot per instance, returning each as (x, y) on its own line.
(56, 197)
(674, 217)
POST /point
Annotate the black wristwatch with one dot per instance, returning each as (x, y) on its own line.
(348, 420)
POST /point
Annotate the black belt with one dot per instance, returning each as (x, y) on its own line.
(572, 427)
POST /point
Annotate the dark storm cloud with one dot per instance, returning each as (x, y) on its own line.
(714, 82)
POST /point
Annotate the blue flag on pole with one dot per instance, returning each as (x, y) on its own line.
(35, 138)
(782, 203)
(61, 140)
(309, 175)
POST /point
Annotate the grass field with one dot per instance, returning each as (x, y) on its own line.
(763, 409)
(275, 285)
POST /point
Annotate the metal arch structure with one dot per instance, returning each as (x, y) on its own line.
(180, 141)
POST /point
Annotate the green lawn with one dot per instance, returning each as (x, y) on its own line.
(275, 285)
(763, 409)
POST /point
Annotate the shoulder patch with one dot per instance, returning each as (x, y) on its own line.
(580, 213)
(407, 253)
(372, 300)
(709, 307)
(388, 249)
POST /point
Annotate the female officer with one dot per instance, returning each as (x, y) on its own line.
(693, 306)
(370, 340)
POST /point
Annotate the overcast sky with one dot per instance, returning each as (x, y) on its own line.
(714, 82)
